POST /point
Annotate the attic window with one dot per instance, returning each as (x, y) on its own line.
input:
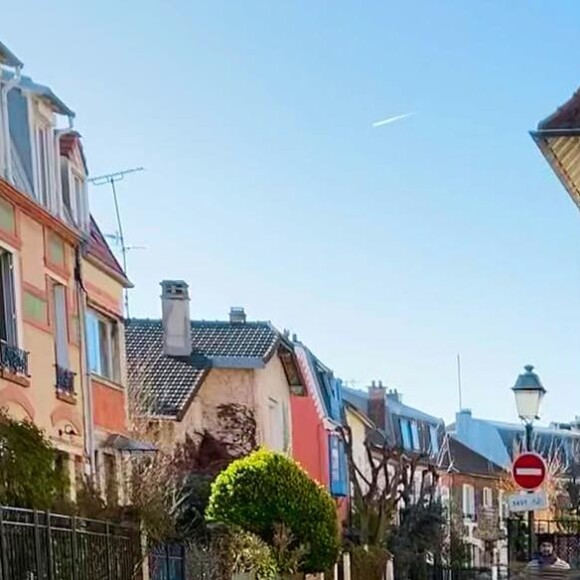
(291, 372)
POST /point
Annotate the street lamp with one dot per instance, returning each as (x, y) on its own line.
(529, 393)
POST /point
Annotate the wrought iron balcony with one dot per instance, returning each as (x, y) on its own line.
(13, 359)
(65, 380)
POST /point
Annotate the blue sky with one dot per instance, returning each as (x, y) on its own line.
(387, 250)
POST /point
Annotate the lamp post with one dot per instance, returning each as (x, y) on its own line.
(529, 392)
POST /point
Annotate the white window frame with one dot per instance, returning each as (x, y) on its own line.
(79, 202)
(42, 166)
(434, 439)
(487, 497)
(41, 118)
(17, 327)
(503, 506)
(71, 172)
(444, 495)
(406, 433)
(113, 344)
(60, 324)
(415, 436)
(468, 500)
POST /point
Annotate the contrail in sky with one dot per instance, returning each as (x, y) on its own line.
(391, 119)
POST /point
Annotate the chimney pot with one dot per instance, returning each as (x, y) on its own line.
(175, 318)
(294, 337)
(237, 315)
(377, 411)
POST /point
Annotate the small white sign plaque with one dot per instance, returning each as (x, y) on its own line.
(528, 502)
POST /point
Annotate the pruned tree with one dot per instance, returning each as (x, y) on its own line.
(386, 484)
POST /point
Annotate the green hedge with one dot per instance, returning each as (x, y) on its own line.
(267, 488)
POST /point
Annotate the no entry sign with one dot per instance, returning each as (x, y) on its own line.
(529, 471)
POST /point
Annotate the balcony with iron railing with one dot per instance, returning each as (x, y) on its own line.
(13, 360)
(65, 384)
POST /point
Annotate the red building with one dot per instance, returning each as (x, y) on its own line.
(316, 418)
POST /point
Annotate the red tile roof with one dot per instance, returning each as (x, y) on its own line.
(99, 249)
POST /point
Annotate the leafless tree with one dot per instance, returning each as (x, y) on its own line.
(387, 483)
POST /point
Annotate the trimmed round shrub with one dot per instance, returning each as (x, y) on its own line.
(267, 489)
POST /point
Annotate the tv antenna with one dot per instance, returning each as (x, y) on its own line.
(112, 178)
(459, 389)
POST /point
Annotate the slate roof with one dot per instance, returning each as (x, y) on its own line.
(462, 459)
(218, 344)
(27, 84)
(395, 411)
(98, 248)
(567, 116)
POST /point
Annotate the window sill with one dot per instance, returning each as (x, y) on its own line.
(107, 382)
(70, 398)
(15, 378)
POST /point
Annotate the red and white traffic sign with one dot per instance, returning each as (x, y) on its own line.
(529, 471)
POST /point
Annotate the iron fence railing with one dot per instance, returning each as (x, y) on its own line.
(65, 380)
(13, 359)
(46, 546)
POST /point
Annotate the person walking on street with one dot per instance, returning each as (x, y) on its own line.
(547, 565)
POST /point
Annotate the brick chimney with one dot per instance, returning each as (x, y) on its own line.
(377, 410)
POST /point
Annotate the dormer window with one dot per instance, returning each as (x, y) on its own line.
(73, 180)
(45, 183)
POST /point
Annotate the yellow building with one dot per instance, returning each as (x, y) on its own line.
(61, 332)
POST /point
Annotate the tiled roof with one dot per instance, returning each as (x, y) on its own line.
(98, 248)
(567, 116)
(173, 381)
(462, 459)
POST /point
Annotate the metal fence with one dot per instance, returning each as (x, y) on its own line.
(167, 562)
(45, 546)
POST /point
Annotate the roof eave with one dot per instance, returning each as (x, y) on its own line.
(8, 58)
(108, 270)
(190, 398)
(542, 139)
(360, 414)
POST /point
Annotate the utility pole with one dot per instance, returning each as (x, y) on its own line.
(112, 178)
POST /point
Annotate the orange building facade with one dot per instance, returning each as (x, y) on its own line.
(61, 289)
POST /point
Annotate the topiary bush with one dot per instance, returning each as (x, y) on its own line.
(264, 490)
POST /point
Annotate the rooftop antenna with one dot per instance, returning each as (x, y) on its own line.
(119, 238)
(459, 382)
